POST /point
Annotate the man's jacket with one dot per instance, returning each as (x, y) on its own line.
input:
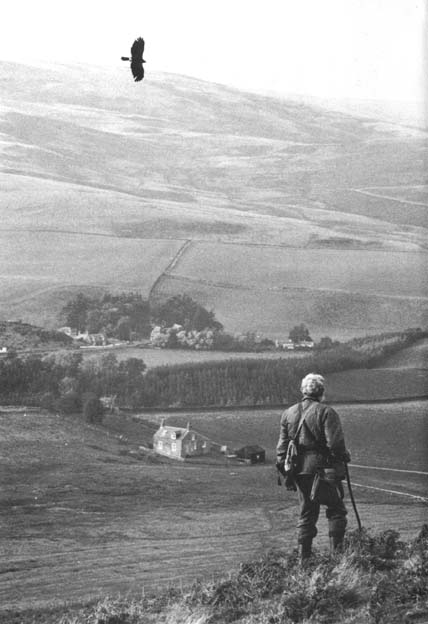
(321, 443)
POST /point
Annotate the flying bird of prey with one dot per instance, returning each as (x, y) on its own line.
(136, 59)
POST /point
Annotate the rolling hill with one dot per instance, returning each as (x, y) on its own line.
(271, 211)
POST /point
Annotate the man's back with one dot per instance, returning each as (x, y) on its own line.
(321, 453)
(321, 432)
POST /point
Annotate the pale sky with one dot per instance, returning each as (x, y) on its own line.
(330, 48)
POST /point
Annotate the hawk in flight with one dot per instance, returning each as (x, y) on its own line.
(136, 59)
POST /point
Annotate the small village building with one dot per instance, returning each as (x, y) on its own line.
(305, 344)
(180, 442)
(251, 454)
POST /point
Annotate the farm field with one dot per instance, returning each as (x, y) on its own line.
(417, 194)
(81, 517)
(271, 313)
(66, 259)
(415, 356)
(375, 384)
(162, 357)
(264, 268)
(42, 265)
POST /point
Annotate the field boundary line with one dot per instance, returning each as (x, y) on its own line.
(170, 266)
(420, 472)
(372, 487)
(389, 198)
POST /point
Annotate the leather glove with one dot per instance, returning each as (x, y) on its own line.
(290, 484)
(280, 466)
(346, 457)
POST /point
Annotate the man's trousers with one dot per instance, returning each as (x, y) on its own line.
(310, 509)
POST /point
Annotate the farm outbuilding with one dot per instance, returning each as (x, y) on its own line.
(252, 454)
(180, 442)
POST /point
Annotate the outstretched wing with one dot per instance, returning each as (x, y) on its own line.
(137, 49)
(137, 66)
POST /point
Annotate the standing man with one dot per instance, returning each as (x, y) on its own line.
(317, 432)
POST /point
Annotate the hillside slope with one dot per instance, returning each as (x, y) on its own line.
(102, 182)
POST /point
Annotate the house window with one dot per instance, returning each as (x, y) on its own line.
(204, 445)
(173, 447)
(173, 436)
(193, 437)
(163, 432)
(160, 444)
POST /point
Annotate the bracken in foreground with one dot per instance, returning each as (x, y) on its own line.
(378, 579)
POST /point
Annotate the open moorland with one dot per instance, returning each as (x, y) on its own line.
(85, 513)
(188, 186)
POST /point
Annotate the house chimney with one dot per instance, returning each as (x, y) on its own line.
(162, 422)
(188, 426)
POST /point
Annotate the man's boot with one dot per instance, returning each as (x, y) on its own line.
(305, 550)
(336, 544)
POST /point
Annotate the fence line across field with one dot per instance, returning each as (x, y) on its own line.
(419, 472)
(372, 487)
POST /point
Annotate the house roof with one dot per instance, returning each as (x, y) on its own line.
(180, 431)
(251, 448)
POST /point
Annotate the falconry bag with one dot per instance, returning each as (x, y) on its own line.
(290, 461)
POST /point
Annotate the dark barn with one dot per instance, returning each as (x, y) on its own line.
(252, 454)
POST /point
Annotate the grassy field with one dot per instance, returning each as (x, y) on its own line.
(340, 315)
(68, 259)
(362, 271)
(415, 356)
(162, 357)
(42, 269)
(376, 384)
(81, 517)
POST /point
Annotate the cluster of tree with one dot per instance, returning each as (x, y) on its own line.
(183, 310)
(19, 335)
(177, 337)
(121, 316)
(128, 316)
(66, 382)
(299, 333)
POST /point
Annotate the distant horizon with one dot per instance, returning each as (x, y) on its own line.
(261, 91)
(402, 111)
(361, 49)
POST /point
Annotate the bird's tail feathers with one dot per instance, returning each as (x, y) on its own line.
(125, 58)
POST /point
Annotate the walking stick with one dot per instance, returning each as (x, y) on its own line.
(352, 497)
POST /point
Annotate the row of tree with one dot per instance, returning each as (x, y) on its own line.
(261, 381)
(66, 382)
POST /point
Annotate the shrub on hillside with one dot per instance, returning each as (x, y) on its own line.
(48, 401)
(69, 403)
(93, 409)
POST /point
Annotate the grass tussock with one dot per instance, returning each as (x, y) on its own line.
(378, 579)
